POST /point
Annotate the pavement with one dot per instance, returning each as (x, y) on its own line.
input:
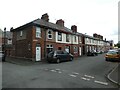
(112, 75)
(24, 62)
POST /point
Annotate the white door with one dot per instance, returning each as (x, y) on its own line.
(80, 51)
(38, 53)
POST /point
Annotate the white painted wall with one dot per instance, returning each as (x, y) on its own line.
(72, 41)
(63, 38)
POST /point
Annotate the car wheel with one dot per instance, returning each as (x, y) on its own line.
(58, 60)
(106, 59)
(71, 59)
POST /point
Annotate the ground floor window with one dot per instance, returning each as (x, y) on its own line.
(59, 48)
(75, 49)
(49, 48)
(67, 49)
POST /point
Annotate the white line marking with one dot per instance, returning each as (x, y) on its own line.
(57, 69)
(85, 78)
(52, 70)
(75, 73)
(72, 75)
(104, 83)
(89, 76)
(59, 72)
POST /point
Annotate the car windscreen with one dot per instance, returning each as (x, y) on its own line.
(112, 52)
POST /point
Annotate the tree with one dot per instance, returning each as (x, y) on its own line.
(118, 45)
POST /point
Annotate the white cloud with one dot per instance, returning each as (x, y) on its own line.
(91, 16)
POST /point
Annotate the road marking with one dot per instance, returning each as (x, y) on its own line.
(89, 76)
(53, 71)
(72, 75)
(87, 79)
(104, 83)
(59, 72)
(57, 69)
(75, 73)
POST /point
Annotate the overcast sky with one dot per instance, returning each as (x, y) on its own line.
(90, 16)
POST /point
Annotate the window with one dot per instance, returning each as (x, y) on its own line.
(75, 49)
(49, 48)
(49, 34)
(67, 38)
(59, 36)
(80, 39)
(38, 32)
(60, 52)
(59, 48)
(29, 47)
(21, 33)
(75, 38)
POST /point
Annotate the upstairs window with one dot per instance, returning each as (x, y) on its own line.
(49, 34)
(21, 33)
(67, 38)
(80, 39)
(38, 32)
(75, 39)
(59, 36)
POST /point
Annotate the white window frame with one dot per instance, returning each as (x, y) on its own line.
(75, 38)
(49, 34)
(75, 49)
(38, 32)
(59, 37)
(67, 38)
(80, 39)
(21, 33)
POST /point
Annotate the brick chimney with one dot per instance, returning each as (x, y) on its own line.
(45, 17)
(95, 35)
(74, 28)
(101, 37)
(60, 22)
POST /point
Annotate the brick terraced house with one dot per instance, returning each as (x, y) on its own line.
(36, 39)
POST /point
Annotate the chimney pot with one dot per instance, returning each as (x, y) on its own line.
(74, 28)
(60, 22)
(45, 17)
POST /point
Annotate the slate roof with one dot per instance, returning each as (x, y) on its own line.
(8, 34)
(52, 25)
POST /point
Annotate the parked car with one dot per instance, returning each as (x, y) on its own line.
(59, 56)
(2, 56)
(92, 53)
(112, 55)
(100, 52)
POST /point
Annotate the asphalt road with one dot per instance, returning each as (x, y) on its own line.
(85, 72)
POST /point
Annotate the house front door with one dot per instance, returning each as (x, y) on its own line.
(38, 53)
(80, 51)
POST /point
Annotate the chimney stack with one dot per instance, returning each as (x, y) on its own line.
(60, 22)
(45, 17)
(95, 35)
(74, 28)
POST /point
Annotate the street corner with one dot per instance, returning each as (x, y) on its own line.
(113, 75)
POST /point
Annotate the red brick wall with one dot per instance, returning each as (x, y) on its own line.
(36, 41)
